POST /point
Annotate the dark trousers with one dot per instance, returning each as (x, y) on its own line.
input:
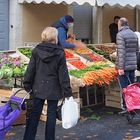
(138, 78)
(126, 80)
(32, 122)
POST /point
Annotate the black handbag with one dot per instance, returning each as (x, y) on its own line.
(58, 111)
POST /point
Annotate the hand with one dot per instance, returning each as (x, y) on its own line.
(79, 44)
(72, 36)
(121, 72)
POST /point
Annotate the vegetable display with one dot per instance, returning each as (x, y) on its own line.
(100, 52)
(107, 48)
(90, 65)
(92, 57)
(100, 77)
(26, 51)
(11, 67)
(78, 64)
(83, 51)
(68, 55)
(99, 73)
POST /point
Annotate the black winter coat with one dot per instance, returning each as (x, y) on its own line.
(47, 73)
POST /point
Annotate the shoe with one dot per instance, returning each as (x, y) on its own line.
(123, 112)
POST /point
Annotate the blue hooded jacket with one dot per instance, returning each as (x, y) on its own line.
(62, 28)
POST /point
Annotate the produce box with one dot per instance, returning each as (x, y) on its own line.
(113, 101)
(70, 56)
(44, 110)
(21, 119)
(106, 50)
(5, 93)
(106, 47)
(43, 118)
(25, 53)
(92, 95)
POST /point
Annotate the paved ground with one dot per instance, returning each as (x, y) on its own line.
(97, 124)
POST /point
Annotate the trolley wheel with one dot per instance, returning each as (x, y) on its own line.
(130, 118)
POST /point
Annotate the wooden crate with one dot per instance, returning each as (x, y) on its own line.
(113, 101)
(114, 86)
(44, 110)
(43, 118)
(112, 93)
(21, 119)
(22, 56)
(5, 93)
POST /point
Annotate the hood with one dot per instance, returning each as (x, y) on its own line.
(46, 51)
(61, 23)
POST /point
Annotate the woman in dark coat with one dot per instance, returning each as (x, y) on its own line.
(47, 77)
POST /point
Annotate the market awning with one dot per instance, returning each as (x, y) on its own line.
(120, 3)
(80, 2)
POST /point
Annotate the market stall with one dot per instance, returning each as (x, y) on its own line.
(89, 69)
(85, 66)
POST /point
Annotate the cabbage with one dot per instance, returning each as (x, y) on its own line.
(17, 71)
(8, 72)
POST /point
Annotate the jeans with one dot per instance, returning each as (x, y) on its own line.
(125, 80)
(32, 122)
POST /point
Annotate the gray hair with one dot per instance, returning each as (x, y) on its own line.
(124, 21)
(49, 35)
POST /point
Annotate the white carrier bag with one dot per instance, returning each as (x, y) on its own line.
(69, 113)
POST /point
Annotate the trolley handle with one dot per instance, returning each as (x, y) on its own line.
(24, 96)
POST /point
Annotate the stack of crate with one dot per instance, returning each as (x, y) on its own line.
(112, 95)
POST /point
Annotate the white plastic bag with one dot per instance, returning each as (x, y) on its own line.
(69, 113)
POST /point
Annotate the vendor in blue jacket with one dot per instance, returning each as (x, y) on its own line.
(63, 26)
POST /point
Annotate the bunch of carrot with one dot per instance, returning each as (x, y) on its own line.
(100, 77)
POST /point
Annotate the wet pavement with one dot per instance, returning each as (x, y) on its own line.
(95, 124)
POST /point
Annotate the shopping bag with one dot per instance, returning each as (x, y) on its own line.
(69, 113)
(58, 111)
(132, 96)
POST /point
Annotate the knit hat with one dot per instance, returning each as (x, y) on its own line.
(69, 19)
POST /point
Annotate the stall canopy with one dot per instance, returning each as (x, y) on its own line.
(80, 2)
(120, 3)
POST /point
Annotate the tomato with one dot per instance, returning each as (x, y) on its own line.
(78, 64)
(95, 57)
(68, 55)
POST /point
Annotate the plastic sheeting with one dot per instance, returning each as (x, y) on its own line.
(80, 2)
(119, 3)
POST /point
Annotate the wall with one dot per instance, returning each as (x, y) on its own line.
(15, 25)
(108, 15)
(37, 16)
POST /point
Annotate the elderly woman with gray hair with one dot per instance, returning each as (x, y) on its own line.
(47, 77)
